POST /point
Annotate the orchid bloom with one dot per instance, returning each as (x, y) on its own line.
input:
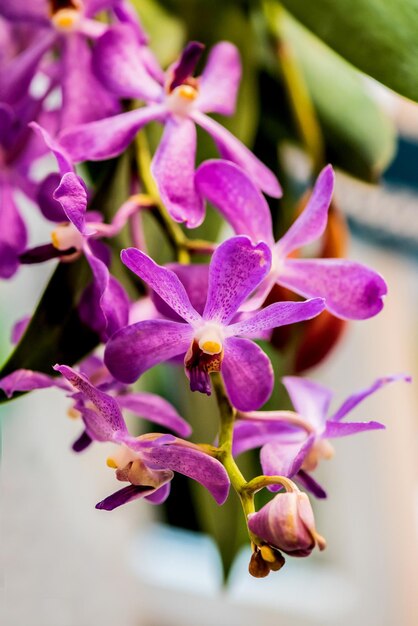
(292, 444)
(180, 103)
(209, 342)
(351, 290)
(148, 462)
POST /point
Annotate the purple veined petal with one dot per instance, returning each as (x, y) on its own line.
(310, 484)
(155, 409)
(232, 149)
(64, 161)
(182, 69)
(219, 82)
(108, 137)
(355, 399)
(82, 442)
(123, 496)
(251, 434)
(275, 315)
(113, 300)
(117, 62)
(28, 380)
(35, 11)
(342, 429)
(51, 209)
(351, 290)
(195, 280)
(310, 399)
(133, 350)
(106, 422)
(160, 495)
(71, 193)
(173, 169)
(284, 459)
(16, 76)
(236, 269)
(84, 98)
(193, 463)
(239, 201)
(163, 281)
(247, 373)
(311, 224)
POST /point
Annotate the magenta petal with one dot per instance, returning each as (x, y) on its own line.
(82, 443)
(71, 193)
(173, 169)
(193, 463)
(342, 429)
(236, 269)
(155, 409)
(195, 280)
(13, 235)
(63, 158)
(310, 399)
(311, 224)
(247, 373)
(35, 11)
(250, 434)
(109, 137)
(234, 194)
(310, 484)
(117, 62)
(219, 82)
(51, 209)
(28, 380)
(135, 349)
(358, 397)
(275, 315)
(285, 459)
(160, 495)
(232, 149)
(351, 290)
(163, 281)
(184, 68)
(123, 496)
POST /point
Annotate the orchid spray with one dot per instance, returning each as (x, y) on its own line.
(79, 82)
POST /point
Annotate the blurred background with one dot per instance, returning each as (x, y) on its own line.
(301, 105)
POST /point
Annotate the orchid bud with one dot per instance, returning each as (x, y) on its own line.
(287, 523)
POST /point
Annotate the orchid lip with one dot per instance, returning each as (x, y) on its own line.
(66, 236)
(210, 338)
(181, 99)
(65, 20)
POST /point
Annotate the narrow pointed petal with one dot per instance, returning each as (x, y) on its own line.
(195, 280)
(311, 224)
(71, 193)
(155, 409)
(351, 290)
(82, 443)
(106, 422)
(232, 149)
(219, 82)
(109, 137)
(28, 380)
(247, 373)
(284, 459)
(237, 268)
(185, 66)
(117, 62)
(355, 399)
(275, 315)
(310, 399)
(342, 429)
(133, 350)
(63, 158)
(310, 484)
(173, 168)
(232, 192)
(194, 463)
(163, 281)
(123, 496)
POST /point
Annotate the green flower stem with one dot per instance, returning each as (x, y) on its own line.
(260, 482)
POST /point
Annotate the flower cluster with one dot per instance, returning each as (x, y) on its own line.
(78, 81)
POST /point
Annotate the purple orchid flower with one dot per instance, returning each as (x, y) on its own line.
(292, 444)
(209, 342)
(150, 460)
(180, 103)
(351, 290)
(69, 26)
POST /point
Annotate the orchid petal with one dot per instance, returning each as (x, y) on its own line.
(351, 290)
(342, 429)
(184, 68)
(275, 315)
(284, 459)
(71, 193)
(310, 484)
(311, 224)
(232, 149)
(28, 380)
(247, 373)
(160, 495)
(236, 269)
(13, 234)
(20, 10)
(239, 201)
(133, 350)
(173, 169)
(163, 281)
(83, 442)
(108, 137)
(51, 209)
(310, 399)
(123, 496)
(155, 409)
(219, 82)
(64, 161)
(250, 434)
(195, 281)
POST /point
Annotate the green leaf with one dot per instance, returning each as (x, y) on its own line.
(377, 36)
(55, 333)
